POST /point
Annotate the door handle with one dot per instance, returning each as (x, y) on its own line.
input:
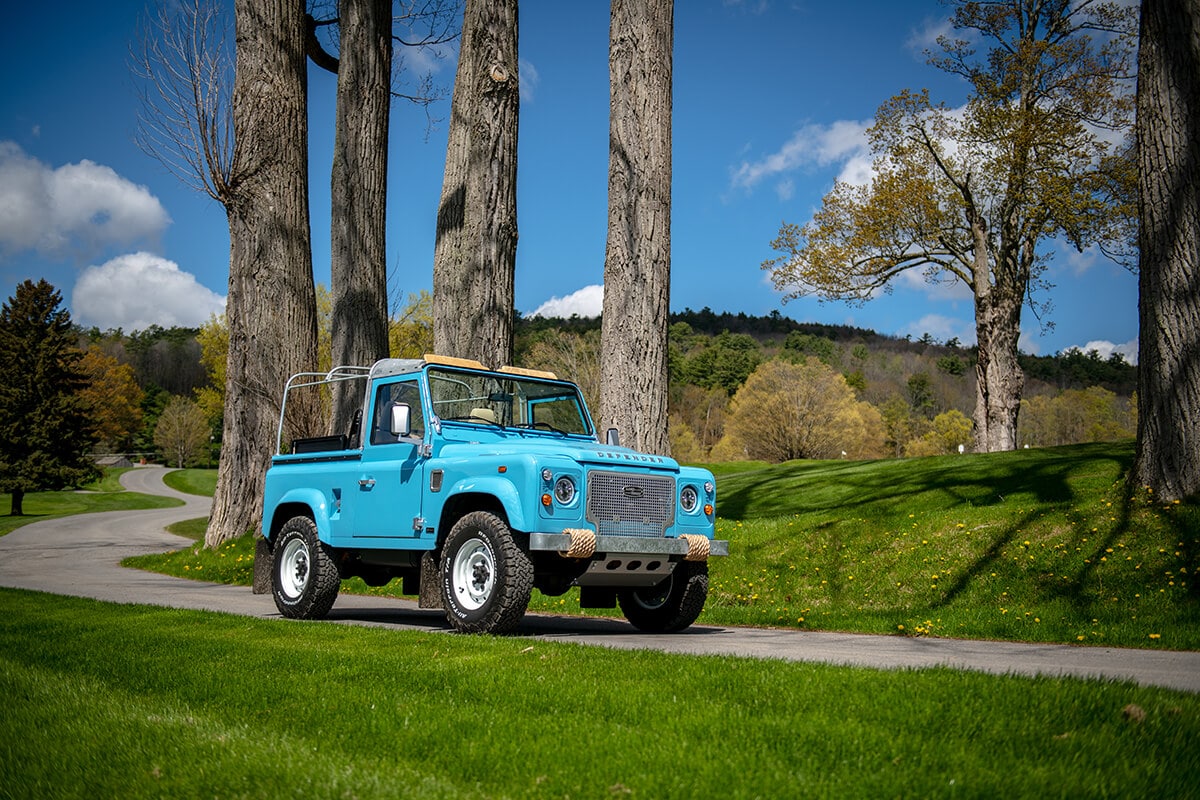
(366, 483)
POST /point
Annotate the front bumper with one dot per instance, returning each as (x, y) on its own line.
(626, 545)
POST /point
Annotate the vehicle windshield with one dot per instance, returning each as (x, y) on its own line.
(508, 401)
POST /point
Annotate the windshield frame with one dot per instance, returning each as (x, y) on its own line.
(507, 401)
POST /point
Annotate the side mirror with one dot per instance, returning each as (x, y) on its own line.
(401, 420)
(612, 438)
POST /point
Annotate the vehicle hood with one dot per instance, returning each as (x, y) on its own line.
(545, 447)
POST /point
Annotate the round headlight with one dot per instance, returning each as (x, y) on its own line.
(688, 498)
(564, 490)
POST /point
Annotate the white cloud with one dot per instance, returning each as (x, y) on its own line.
(1106, 349)
(1080, 261)
(587, 302)
(812, 145)
(138, 290)
(785, 189)
(925, 38)
(75, 210)
(529, 79)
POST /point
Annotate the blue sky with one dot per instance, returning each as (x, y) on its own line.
(770, 101)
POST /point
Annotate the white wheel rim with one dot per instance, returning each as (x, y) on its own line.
(473, 574)
(294, 568)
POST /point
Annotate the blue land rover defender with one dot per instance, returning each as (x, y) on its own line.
(474, 487)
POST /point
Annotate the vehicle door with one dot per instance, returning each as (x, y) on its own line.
(393, 470)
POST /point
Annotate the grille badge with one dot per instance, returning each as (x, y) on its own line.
(633, 492)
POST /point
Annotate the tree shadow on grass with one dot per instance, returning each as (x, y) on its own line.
(891, 486)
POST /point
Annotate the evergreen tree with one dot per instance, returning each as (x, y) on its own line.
(45, 433)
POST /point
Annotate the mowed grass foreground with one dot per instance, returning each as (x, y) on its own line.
(1042, 545)
(127, 701)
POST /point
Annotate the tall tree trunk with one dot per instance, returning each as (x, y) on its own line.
(18, 503)
(999, 379)
(271, 309)
(476, 249)
(358, 196)
(637, 258)
(1168, 447)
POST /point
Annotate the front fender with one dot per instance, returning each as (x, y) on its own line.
(299, 502)
(500, 488)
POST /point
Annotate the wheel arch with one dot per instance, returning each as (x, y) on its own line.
(459, 505)
(298, 503)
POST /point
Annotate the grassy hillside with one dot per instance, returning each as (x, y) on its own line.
(1039, 545)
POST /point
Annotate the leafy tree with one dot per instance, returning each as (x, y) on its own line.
(703, 411)
(575, 356)
(724, 361)
(1077, 415)
(410, 331)
(920, 395)
(1169, 204)
(166, 357)
(974, 194)
(684, 445)
(112, 398)
(804, 410)
(952, 365)
(45, 430)
(637, 255)
(182, 432)
(948, 431)
(898, 424)
(476, 247)
(806, 344)
(214, 355)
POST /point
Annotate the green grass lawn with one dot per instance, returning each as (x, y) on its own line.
(1038, 545)
(104, 495)
(202, 482)
(131, 701)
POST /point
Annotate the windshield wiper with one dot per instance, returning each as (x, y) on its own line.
(539, 425)
(473, 418)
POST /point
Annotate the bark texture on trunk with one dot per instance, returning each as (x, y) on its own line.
(1168, 448)
(271, 308)
(476, 248)
(358, 269)
(637, 259)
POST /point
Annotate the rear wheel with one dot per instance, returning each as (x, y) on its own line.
(672, 604)
(305, 579)
(486, 577)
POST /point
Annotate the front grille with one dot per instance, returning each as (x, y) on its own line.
(630, 504)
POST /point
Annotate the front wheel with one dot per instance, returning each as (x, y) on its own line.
(672, 604)
(305, 579)
(486, 578)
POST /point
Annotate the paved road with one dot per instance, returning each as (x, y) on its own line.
(81, 556)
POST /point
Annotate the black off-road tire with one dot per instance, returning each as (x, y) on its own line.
(486, 577)
(304, 580)
(671, 605)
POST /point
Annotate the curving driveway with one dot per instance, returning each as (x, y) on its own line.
(81, 556)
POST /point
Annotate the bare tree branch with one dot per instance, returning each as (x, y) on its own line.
(183, 66)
